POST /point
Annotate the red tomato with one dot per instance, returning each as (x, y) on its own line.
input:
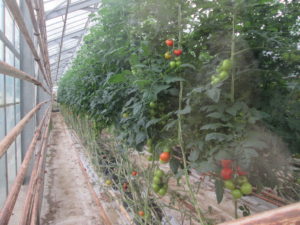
(165, 156)
(169, 42)
(134, 173)
(226, 173)
(240, 172)
(226, 163)
(177, 52)
(125, 186)
(141, 213)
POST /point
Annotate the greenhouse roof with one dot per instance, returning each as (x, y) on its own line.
(66, 24)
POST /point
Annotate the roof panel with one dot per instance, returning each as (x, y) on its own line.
(66, 23)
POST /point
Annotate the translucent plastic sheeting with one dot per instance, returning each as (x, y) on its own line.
(66, 22)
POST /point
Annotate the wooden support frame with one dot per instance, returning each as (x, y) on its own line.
(32, 187)
(40, 12)
(14, 72)
(289, 215)
(10, 202)
(14, 9)
(39, 184)
(38, 33)
(12, 135)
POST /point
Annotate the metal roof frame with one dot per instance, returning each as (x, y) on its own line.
(66, 24)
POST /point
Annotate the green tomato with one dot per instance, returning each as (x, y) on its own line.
(159, 173)
(108, 182)
(151, 149)
(125, 115)
(246, 188)
(152, 112)
(152, 105)
(172, 64)
(215, 81)
(236, 194)
(223, 75)
(150, 158)
(156, 188)
(298, 180)
(242, 179)
(226, 65)
(178, 63)
(156, 180)
(162, 191)
(149, 142)
(229, 184)
(177, 58)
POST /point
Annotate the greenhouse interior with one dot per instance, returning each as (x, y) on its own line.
(149, 112)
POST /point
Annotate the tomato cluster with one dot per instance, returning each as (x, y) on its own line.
(223, 71)
(235, 179)
(155, 109)
(159, 185)
(176, 53)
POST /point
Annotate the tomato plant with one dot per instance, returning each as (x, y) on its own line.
(237, 79)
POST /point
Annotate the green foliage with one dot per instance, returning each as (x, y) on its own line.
(121, 68)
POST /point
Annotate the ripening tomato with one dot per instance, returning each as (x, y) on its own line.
(141, 213)
(169, 42)
(125, 186)
(165, 156)
(226, 163)
(226, 173)
(168, 55)
(134, 173)
(177, 52)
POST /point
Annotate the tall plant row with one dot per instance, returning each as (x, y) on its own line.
(196, 81)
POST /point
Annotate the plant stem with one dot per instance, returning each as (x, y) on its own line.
(232, 58)
(180, 136)
(235, 209)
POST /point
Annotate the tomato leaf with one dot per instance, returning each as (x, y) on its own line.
(219, 190)
(170, 79)
(174, 165)
(214, 94)
(186, 110)
(194, 155)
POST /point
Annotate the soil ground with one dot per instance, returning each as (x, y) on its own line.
(67, 199)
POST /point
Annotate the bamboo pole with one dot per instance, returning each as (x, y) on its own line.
(39, 181)
(14, 9)
(12, 135)
(38, 33)
(14, 72)
(32, 187)
(11, 199)
(42, 25)
(289, 215)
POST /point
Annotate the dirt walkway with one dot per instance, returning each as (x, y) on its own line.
(67, 200)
